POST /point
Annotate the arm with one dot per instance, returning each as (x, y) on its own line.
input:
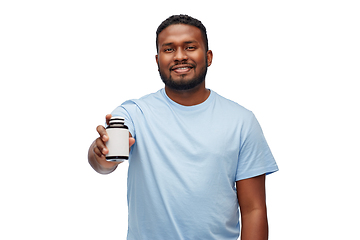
(98, 150)
(251, 197)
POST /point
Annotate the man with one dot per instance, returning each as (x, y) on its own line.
(195, 157)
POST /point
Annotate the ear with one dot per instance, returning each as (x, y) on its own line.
(157, 61)
(209, 55)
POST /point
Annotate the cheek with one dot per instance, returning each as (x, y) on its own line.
(163, 69)
(199, 58)
(163, 62)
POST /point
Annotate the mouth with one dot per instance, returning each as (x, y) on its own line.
(182, 68)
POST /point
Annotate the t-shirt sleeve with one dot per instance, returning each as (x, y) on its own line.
(255, 157)
(123, 111)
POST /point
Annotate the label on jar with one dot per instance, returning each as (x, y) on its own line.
(118, 144)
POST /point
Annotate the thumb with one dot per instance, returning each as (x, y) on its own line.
(108, 116)
(131, 141)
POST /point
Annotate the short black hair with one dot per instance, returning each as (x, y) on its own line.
(182, 19)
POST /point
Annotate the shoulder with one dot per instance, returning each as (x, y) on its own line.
(147, 100)
(231, 108)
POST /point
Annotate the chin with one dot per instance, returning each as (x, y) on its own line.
(182, 84)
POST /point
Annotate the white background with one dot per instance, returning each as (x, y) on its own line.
(65, 64)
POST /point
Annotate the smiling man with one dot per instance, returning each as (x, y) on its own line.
(197, 160)
(182, 57)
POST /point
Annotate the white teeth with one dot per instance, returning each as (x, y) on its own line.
(183, 68)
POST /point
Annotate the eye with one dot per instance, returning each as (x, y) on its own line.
(190, 48)
(168, 50)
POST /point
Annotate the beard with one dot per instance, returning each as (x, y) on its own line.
(182, 85)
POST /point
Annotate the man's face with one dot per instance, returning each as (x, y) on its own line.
(182, 58)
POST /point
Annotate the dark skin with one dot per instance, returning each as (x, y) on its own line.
(184, 43)
(252, 202)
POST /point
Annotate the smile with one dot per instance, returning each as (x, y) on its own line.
(181, 68)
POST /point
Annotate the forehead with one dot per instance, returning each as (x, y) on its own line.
(180, 33)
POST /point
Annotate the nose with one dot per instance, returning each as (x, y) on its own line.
(180, 55)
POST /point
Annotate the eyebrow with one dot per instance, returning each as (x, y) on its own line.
(171, 43)
(167, 44)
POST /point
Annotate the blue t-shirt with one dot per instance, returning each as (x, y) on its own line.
(184, 165)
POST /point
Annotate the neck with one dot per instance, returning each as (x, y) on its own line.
(189, 97)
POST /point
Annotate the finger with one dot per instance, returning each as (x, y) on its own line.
(99, 158)
(97, 152)
(100, 145)
(102, 132)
